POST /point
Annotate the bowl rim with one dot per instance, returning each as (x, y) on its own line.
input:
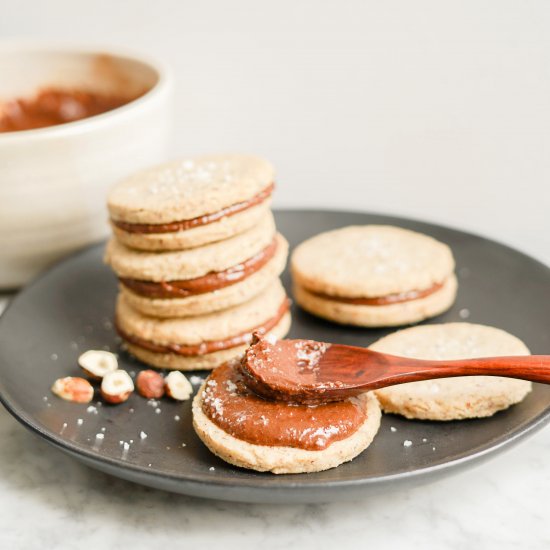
(162, 87)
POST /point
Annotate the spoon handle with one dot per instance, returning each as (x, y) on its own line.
(535, 368)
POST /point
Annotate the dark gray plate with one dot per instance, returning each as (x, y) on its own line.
(69, 310)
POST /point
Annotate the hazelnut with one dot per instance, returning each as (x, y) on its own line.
(150, 384)
(72, 388)
(177, 386)
(97, 363)
(116, 386)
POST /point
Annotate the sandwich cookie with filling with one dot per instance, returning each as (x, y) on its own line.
(200, 280)
(373, 276)
(190, 202)
(206, 341)
(452, 398)
(274, 436)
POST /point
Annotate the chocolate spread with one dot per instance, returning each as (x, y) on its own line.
(232, 406)
(288, 370)
(52, 106)
(208, 346)
(182, 225)
(383, 300)
(215, 280)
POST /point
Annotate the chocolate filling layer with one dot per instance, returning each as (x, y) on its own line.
(228, 402)
(383, 300)
(209, 346)
(173, 227)
(215, 280)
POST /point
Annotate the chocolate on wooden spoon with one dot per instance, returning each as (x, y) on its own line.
(305, 371)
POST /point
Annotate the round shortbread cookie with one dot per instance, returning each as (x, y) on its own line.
(285, 460)
(370, 261)
(187, 189)
(452, 398)
(397, 314)
(229, 296)
(194, 331)
(226, 227)
(192, 263)
(201, 362)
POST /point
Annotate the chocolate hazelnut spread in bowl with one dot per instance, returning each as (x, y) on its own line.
(52, 106)
(73, 121)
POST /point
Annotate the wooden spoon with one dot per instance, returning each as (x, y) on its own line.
(305, 371)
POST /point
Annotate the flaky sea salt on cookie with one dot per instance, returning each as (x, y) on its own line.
(373, 275)
(269, 436)
(452, 398)
(188, 203)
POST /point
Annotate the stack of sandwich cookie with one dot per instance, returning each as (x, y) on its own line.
(373, 276)
(198, 258)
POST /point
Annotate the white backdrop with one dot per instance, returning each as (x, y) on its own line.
(432, 109)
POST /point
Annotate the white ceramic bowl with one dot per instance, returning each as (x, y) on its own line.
(54, 181)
